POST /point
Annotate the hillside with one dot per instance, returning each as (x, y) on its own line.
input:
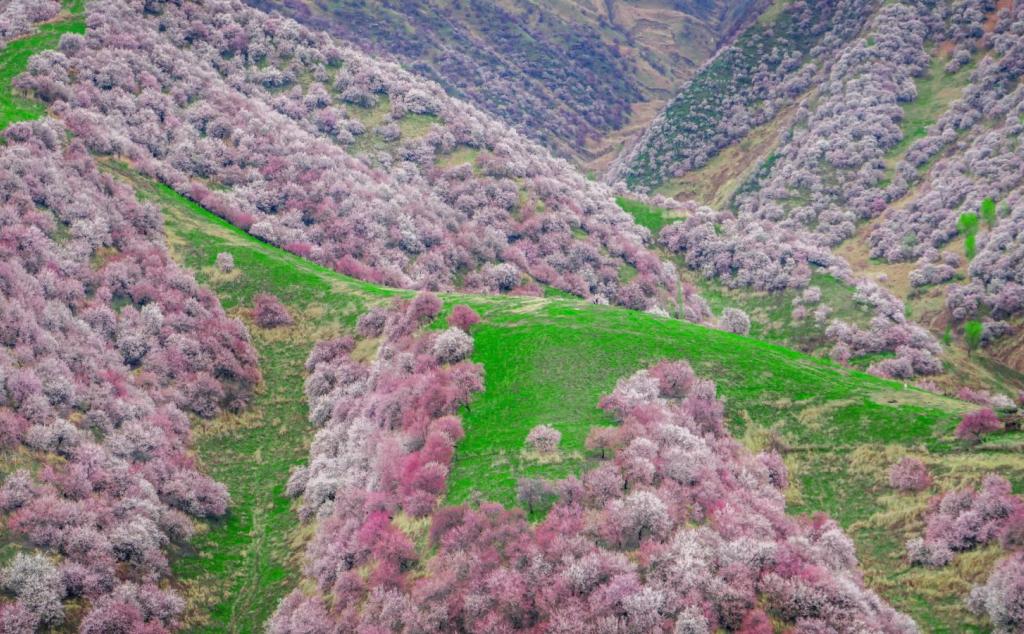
(342, 158)
(548, 361)
(891, 159)
(293, 340)
(848, 156)
(577, 76)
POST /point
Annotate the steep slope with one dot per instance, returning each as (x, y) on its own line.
(837, 156)
(769, 66)
(546, 361)
(898, 168)
(349, 161)
(568, 74)
(107, 347)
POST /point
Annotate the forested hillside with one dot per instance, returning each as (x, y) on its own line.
(883, 136)
(341, 158)
(294, 339)
(880, 142)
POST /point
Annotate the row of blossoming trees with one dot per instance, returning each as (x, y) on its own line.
(339, 157)
(679, 529)
(106, 347)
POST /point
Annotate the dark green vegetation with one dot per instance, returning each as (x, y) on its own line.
(988, 212)
(967, 225)
(15, 107)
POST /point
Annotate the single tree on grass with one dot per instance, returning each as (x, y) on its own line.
(544, 439)
(968, 226)
(976, 424)
(988, 212)
(909, 474)
(463, 317)
(269, 312)
(534, 493)
(603, 440)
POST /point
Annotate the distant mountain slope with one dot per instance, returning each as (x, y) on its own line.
(770, 65)
(565, 73)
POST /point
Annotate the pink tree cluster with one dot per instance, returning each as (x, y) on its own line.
(976, 424)
(964, 519)
(741, 252)
(916, 350)
(680, 529)
(387, 429)
(909, 474)
(207, 98)
(19, 17)
(105, 346)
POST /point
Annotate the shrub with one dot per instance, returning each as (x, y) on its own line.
(909, 474)
(269, 312)
(544, 439)
(976, 424)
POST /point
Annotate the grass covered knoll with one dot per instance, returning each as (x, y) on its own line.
(546, 361)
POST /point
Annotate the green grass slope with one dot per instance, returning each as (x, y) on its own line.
(238, 568)
(549, 361)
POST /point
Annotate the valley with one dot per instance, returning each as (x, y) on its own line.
(295, 340)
